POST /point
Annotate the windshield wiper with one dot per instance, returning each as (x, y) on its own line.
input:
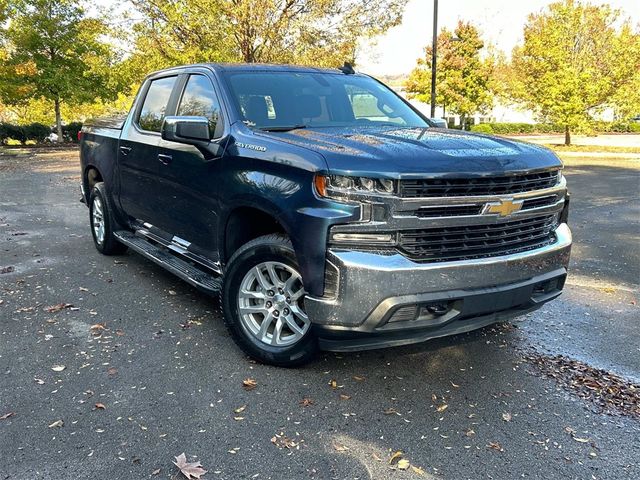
(282, 128)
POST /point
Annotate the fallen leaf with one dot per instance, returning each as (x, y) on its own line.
(7, 415)
(58, 368)
(581, 440)
(395, 457)
(340, 448)
(434, 398)
(97, 328)
(172, 292)
(57, 423)
(417, 470)
(156, 472)
(376, 457)
(189, 470)
(8, 269)
(39, 381)
(281, 441)
(390, 411)
(442, 407)
(306, 402)
(82, 289)
(358, 379)
(57, 307)
(344, 397)
(333, 384)
(100, 406)
(495, 446)
(403, 464)
(249, 383)
(111, 371)
(506, 417)
(120, 332)
(240, 409)
(454, 385)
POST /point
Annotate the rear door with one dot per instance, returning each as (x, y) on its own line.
(139, 149)
(188, 192)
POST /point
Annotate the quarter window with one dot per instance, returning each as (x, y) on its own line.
(200, 100)
(155, 104)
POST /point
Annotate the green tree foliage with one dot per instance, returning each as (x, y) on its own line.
(318, 32)
(574, 62)
(54, 52)
(463, 77)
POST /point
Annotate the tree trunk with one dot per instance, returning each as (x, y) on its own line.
(463, 122)
(58, 120)
(567, 135)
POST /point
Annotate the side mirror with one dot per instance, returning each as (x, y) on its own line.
(439, 122)
(190, 130)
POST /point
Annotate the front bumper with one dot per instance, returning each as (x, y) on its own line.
(386, 300)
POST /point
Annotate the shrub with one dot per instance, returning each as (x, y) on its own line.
(36, 131)
(482, 128)
(11, 131)
(70, 131)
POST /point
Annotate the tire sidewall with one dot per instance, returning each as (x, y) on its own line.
(110, 245)
(106, 217)
(297, 354)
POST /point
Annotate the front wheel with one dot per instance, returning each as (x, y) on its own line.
(263, 303)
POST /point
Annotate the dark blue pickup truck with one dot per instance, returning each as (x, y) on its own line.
(323, 209)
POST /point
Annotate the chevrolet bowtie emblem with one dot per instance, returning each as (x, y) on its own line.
(504, 208)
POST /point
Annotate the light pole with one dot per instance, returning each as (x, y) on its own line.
(434, 52)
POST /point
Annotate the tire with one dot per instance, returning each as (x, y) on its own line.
(281, 334)
(102, 223)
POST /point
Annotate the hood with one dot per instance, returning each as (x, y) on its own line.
(397, 152)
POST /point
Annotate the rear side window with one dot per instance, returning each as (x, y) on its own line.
(200, 100)
(155, 104)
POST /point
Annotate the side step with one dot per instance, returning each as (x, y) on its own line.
(187, 272)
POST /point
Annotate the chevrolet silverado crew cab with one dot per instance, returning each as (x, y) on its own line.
(323, 209)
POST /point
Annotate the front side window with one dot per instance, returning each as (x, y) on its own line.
(280, 99)
(155, 104)
(200, 100)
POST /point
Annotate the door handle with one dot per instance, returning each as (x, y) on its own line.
(164, 159)
(125, 150)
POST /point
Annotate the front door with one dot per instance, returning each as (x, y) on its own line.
(139, 149)
(188, 183)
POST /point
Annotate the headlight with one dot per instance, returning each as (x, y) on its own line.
(336, 185)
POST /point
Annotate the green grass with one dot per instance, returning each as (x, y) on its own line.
(592, 148)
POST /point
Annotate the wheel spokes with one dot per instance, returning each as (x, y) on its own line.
(269, 304)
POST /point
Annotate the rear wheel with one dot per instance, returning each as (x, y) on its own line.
(263, 303)
(102, 223)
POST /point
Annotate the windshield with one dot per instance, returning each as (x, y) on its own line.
(285, 100)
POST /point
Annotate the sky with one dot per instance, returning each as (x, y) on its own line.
(501, 23)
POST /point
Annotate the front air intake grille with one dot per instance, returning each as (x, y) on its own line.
(449, 211)
(539, 202)
(456, 187)
(477, 241)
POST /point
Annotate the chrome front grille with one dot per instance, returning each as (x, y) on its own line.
(461, 219)
(457, 187)
(477, 241)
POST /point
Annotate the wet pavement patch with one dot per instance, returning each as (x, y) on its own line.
(608, 392)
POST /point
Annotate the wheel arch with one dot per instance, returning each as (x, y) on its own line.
(90, 176)
(247, 222)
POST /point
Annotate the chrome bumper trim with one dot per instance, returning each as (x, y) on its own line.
(367, 279)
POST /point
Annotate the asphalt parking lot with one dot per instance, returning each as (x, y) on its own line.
(150, 371)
